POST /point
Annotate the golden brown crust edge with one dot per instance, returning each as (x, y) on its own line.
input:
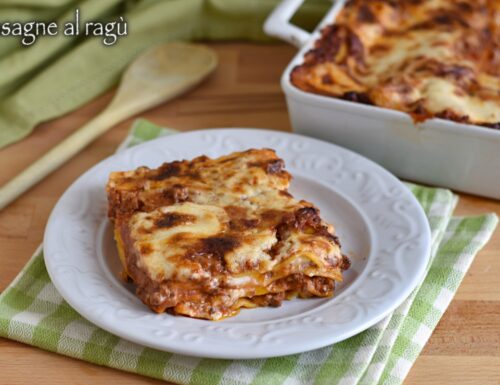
(463, 55)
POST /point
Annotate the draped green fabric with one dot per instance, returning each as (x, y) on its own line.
(59, 73)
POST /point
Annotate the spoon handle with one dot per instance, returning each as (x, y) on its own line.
(57, 156)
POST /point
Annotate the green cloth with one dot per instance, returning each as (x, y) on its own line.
(57, 74)
(33, 312)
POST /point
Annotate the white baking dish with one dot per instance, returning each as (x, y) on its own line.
(437, 152)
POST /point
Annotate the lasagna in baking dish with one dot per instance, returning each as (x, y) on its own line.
(207, 237)
(429, 58)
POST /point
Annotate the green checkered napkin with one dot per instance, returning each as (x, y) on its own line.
(33, 312)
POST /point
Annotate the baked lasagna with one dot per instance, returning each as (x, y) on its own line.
(429, 58)
(207, 237)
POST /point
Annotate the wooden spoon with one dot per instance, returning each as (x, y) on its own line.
(158, 75)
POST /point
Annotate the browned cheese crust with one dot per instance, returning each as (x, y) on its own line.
(206, 237)
(429, 58)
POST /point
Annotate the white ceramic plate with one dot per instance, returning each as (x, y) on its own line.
(380, 224)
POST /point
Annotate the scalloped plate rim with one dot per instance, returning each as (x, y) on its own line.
(233, 350)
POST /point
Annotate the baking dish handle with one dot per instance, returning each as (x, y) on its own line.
(278, 23)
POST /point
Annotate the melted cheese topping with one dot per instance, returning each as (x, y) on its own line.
(162, 244)
(206, 237)
(435, 58)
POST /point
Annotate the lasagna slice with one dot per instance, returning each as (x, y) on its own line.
(434, 58)
(206, 237)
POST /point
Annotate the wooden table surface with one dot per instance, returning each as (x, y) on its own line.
(244, 92)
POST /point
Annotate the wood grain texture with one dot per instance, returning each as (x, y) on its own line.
(244, 92)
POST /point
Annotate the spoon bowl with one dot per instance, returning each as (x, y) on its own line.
(162, 73)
